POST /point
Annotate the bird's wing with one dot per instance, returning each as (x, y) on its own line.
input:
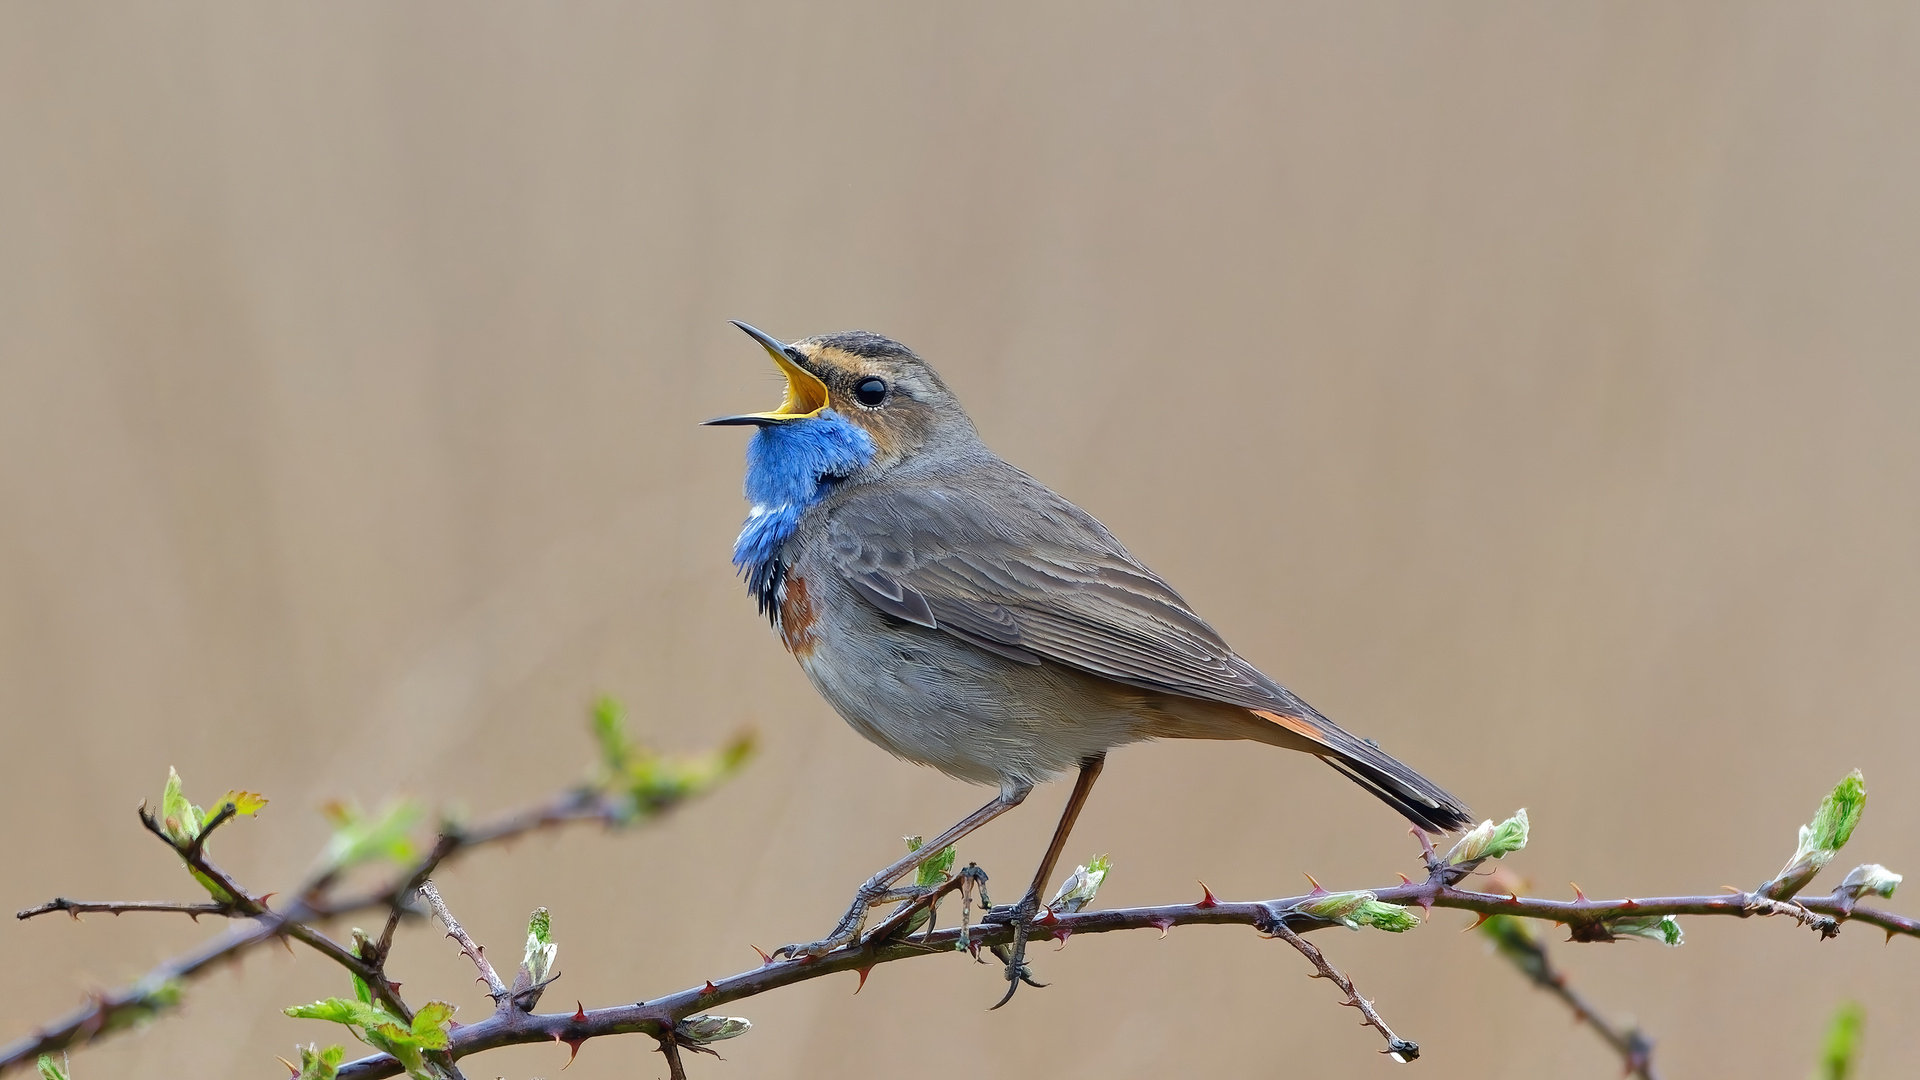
(1001, 562)
(1029, 576)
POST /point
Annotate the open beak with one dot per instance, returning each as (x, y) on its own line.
(806, 394)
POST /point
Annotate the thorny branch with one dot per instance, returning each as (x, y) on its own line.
(496, 989)
(656, 1016)
(627, 791)
(680, 1021)
(1402, 1050)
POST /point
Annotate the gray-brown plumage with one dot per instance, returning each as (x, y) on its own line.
(962, 615)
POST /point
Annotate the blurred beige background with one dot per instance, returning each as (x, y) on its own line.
(1532, 387)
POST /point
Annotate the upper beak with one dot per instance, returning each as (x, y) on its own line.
(806, 394)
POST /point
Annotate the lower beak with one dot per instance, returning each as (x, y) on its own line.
(806, 395)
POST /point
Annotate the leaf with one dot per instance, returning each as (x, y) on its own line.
(359, 839)
(610, 730)
(1842, 1047)
(340, 1011)
(50, 1069)
(706, 1029)
(1820, 840)
(244, 803)
(1664, 929)
(935, 870)
(1490, 841)
(179, 819)
(652, 782)
(317, 1064)
(429, 1032)
(1080, 887)
(541, 951)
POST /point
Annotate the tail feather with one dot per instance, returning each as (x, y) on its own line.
(1417, 798)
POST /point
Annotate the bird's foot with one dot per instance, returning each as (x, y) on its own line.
(845, 932)
(1014, 956)
(848, 930)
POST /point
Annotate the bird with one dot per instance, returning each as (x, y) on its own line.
(960, 614)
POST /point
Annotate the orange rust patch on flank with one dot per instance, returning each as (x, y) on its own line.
(1294, 724)
(796, 618)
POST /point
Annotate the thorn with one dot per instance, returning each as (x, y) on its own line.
(1579, 896)
(1206, 901)
(765, 959)
(1479, 918)
(1061, 936)
(1426, 902)
(287, 944)
(1317, 889)
(291, 1067)
(1630, 902)
(709, 989)
(264, 897)
(1514, 899)
(1404, 879)
(863, 977)
(1164, 924)
(1731, 889)
(579, 1012)
(572, 1053)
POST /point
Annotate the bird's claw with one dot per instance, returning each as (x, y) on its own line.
(1022, 917)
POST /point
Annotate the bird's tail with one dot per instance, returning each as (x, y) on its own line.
(1419, 799)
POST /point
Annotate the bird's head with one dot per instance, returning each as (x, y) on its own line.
(854, 395)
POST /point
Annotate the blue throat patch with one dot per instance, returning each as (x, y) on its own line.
(790, 467)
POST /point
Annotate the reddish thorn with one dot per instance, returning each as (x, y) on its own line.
(1163, 924)
(264, 897)
(1480, 917)
(1731, 889)
(1317, 890)
(572, 1053)
(291, 1067)
(1404, 879)
(1513, 898)
(1062, 936)
(1046, 916)
(579, 1012)
(973, 947)
(393, 987)
(709, 989)
(1889, 937)
(1205, 901)
(288, 944)
(1579, 897)
(1630, 902)
(1426, 902)
(765, 959)
(863, 978)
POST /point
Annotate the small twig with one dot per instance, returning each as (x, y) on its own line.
(1401, 1050)
(77, 908)
(196, 858)
(1525, 949)
(670, 1047)
(474, 952)
(114, 1010)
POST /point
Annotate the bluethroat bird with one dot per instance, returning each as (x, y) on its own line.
(961, 615)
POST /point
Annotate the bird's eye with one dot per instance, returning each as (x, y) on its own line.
(871, 392)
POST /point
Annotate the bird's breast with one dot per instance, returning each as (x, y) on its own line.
(796, 618)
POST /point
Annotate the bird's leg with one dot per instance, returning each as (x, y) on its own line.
(1029, 906)
(875, 888)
